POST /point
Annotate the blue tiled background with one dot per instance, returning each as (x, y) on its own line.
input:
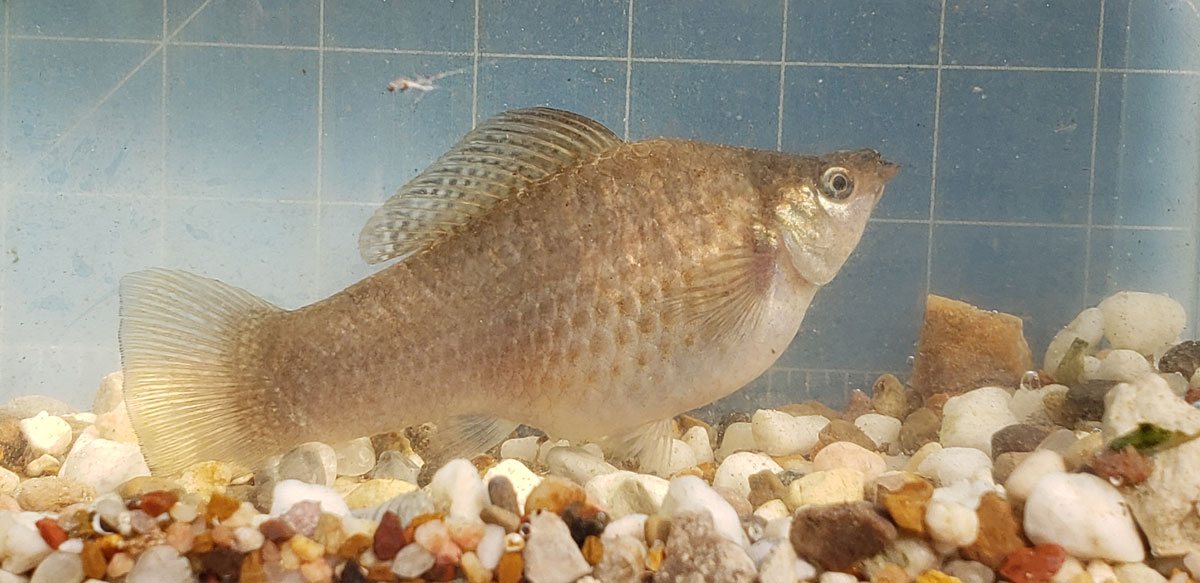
(1051, 152)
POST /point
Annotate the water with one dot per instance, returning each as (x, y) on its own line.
(1049, 151)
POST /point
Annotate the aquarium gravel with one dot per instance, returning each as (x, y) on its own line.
(1082, 470)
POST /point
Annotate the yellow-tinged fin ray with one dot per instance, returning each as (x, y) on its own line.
(491, 163)
(189, 395)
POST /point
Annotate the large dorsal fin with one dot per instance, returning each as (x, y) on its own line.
(491, 163)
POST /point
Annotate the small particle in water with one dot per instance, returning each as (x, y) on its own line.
(16, 257)
(1065, 127)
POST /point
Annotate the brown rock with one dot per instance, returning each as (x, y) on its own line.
(502, 494)
(492, 514)
(889, 397)
(1033, 564)
(811, 408)
(858, 404)
(764, 487)
(1085, 401)
(510, 568)
(961, 347)
(51, 532)
(553, 494)
(936, 402)
(836, 536)
(251, 570)
(354, 546)
(1183, 358)
(1017, 437)
(905, 496)
(157, 501)
(389, 537)
(1005, 463)
(94, 564)
(920, 427)
(221, 507)
(999, 532)
(135, 487)
(842, 430)
(1126, 467)
(890, 573)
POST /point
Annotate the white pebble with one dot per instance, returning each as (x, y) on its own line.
(779, 565)
(491, 546)
(160, 564)
(551, 556)
(8, 480)
(411, 561)
(1070, 568)
(115, 425)
(735, 471)
(738, 437)
(46, 433)
(355, 457)
(772, 509)
(1085, 515)
(966, 492)
(545, 447)
(44, 465)
(1027, 473)
(1088, 326)
(1191, 562)
(952, 464)
(59, 567)
(882, 429)
(970, 419)
(779, 433)
(1122, 365)
(623, 493)
(521, 477)
(805, 571)
(246, 539)
(1102, 572)
(691, 494)
(1138, 573)
(951, 523)
(844, 454)
(457, 490)
(836, 577)
(289, 492)
(697, 439)
(103, 464)
(1029, 405)
(576, 464)
(682, 458)
(520, 448)
(970, 571)
(1149, 400)
(1142, 322)
(110, 393)
(630, 525)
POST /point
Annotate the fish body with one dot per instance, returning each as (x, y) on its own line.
(550, 274)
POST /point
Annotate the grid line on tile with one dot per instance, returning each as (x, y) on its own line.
(163, 136)
(937, 119)
(782, 75)
(475, 68)
(1091, 194)
(628, 66)
(318, 276)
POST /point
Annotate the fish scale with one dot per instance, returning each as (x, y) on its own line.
(584, 286)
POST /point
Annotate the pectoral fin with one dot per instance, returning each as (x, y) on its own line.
(647, 448)
(722, 297)
(467, 435)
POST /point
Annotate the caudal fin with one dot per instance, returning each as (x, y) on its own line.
(191, 386)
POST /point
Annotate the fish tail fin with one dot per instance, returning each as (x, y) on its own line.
(192, 387)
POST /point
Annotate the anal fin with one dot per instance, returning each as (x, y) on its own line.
(647, 448)
(467, 435)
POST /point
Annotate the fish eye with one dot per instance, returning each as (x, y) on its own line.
(836, 183)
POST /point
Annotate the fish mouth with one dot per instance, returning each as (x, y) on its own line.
(887, 170)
